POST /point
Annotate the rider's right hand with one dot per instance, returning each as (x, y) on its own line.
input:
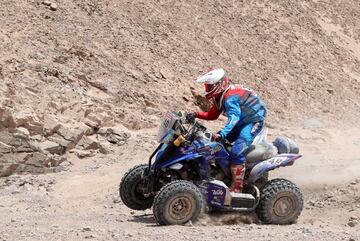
(190, 117)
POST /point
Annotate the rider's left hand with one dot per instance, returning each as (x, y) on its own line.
(190, 117)
(216, 136)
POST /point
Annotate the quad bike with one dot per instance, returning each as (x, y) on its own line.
(191, 174)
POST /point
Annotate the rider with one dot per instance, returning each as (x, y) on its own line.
(246, 114)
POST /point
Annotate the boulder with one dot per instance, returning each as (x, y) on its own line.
(114, 135)
(69, 135)
(30, 121)
(23, 131)
(18, 141)
(105, 147)
(82, 153)
(36, 159)
(51, 125)
(88, 142)
(51, 147)
(6, 119)
(35, 162)
(4, 148)
(98, 119)
(7, 170)
(60, 140)
(10, 163)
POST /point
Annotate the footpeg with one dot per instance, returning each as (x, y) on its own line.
(242, 200)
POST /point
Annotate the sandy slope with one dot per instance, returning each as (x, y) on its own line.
(128, 59)
(83, 203)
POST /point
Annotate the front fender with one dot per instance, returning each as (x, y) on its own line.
(181, 158)
(271, 164)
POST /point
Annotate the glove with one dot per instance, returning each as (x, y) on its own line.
(190, 117)
(216, 136)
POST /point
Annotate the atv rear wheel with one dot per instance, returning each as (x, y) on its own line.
(177, 203)
(281, 202)
(130, 189)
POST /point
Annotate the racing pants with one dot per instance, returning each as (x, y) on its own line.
(242, 136)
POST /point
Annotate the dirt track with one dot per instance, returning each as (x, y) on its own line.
(82, 203)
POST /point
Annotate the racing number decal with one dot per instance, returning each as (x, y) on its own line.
(277, 160)
(166, 123)
(167, 119)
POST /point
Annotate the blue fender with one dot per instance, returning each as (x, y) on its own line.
(270, 164)
(189, 156)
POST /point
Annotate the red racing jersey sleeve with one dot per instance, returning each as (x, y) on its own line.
(212, 114)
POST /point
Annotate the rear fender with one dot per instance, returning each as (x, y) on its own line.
(281, 160)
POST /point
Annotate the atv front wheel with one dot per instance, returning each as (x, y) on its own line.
(130, 189)
(281, 202)
(177, 203)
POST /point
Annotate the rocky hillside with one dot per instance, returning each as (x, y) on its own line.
(70, 70)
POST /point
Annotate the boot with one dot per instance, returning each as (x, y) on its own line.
(237, 173)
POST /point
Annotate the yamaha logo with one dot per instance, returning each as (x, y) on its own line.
(217, 192)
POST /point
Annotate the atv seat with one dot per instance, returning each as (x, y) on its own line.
(258, 152)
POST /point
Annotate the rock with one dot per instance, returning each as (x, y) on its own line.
(82, 153)
(60, 140)
(53, 6)
(10, 163)
(51, 147)
(189, 223)
(86, 228)
(51, 125)
(67, 132)
(46, 2)
(18, 141)
(352, 223)
(55, 160)
(85, 128)
(114, 135)
(116, 199)
(6, 119)
(312, 203)
(98, 119)
(23, 131)
(105, 147)
(36, 159)
(68, 136)
(30, 121)
(330, 91)
(33, 162)
(88, 143)
(35, 127)
(37, 138)
(4, 148)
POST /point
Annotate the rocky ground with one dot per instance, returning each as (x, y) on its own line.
(68, 69)
(82, 202)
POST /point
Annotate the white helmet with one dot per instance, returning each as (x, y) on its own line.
(211, 77)
(215, 82)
